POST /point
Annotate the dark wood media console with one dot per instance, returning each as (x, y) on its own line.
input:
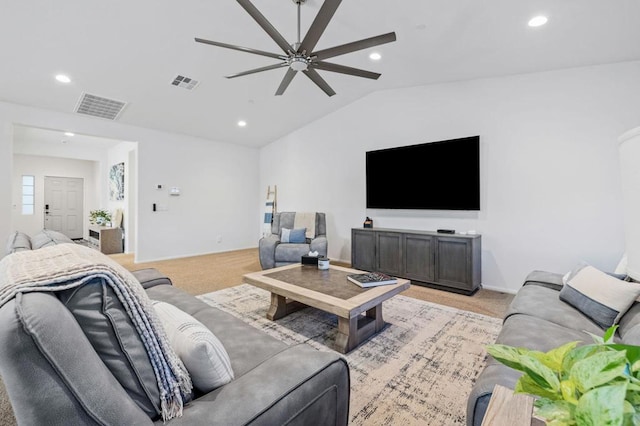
(445, 261)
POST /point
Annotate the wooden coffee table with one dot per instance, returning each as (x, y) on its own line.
(297, 286)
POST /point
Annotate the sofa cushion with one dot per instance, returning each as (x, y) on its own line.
(291, 252)
(540, 301)
(48, 237)
(545, 279)
(294, 236)
(51, 372)
(524, 331)
(242, 352)
(113, 335)
(202, 353)
(151, 277)
(18, 241)
(599, 296)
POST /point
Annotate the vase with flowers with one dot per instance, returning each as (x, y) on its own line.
(100, 217)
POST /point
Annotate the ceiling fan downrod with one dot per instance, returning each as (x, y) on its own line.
(296, 45)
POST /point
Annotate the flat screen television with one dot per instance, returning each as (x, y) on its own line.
(442, 175)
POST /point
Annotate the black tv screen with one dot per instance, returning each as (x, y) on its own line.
(443, 175)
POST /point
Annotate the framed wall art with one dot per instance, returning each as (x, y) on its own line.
(116, 182)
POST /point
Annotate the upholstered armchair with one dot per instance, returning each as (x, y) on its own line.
(275, 251)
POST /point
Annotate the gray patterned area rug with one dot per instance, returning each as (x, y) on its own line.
(418, 370)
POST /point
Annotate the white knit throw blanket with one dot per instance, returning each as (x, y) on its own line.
(67, 266)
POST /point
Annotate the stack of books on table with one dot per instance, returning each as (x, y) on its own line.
(371, 279)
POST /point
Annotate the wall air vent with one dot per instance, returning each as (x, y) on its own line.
(97, 106)
(185, 82)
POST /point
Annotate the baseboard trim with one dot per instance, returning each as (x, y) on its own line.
(499, 289)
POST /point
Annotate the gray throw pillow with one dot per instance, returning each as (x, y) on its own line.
(106, 324)
(48, 237)
(200, 350)
(599, 296)
(18, 241)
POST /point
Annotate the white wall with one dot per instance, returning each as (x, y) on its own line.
(629, 149)
(549, 165)
(120, 154)
(219, 183)
(6, 167)
(40, 167)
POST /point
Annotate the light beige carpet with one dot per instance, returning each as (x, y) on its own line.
(211, 272)
(417, 371)
(6, 412)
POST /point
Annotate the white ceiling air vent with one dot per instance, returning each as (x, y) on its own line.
(185, 82)
(97, 106)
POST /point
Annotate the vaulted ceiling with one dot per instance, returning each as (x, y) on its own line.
(131, 51)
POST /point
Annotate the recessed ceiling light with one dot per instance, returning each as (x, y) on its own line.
(69, 134)
(242, 123)
(63, 78)
(538, 21)
(375, 56)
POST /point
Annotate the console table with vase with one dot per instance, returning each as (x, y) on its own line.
(445, 261)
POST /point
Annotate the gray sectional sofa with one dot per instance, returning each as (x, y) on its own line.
(56, 372)
(538, 319)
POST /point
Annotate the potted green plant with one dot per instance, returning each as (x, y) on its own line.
(595, 384)
(99, 217)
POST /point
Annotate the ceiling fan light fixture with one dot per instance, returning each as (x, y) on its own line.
(298, 63)
(375, 56)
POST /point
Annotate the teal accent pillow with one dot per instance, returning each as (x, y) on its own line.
(294, 236)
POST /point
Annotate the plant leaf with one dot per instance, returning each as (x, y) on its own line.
(609, 334)
(579, 353)
(633, 353)
(569, 391)
(508, 355)
(541, 374)
(602, 406)
(554, 412)
(525, 384)
(598, 369)
(553, 359)
(519, 359)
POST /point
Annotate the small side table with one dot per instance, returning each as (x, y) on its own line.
(107, 240)
(510, 409)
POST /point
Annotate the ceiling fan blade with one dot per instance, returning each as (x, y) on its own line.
(327, 66)
(285, 81)
(240, 48)
(354, 46)
(319, 81)
(253, 71)
(319, 25)
(266, 25)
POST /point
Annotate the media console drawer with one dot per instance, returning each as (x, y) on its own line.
(446, 261)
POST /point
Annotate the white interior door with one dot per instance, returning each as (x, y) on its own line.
(63, 205)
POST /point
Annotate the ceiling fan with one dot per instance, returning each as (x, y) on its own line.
(301, 56)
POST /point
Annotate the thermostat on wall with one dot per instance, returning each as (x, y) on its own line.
(174, 191)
